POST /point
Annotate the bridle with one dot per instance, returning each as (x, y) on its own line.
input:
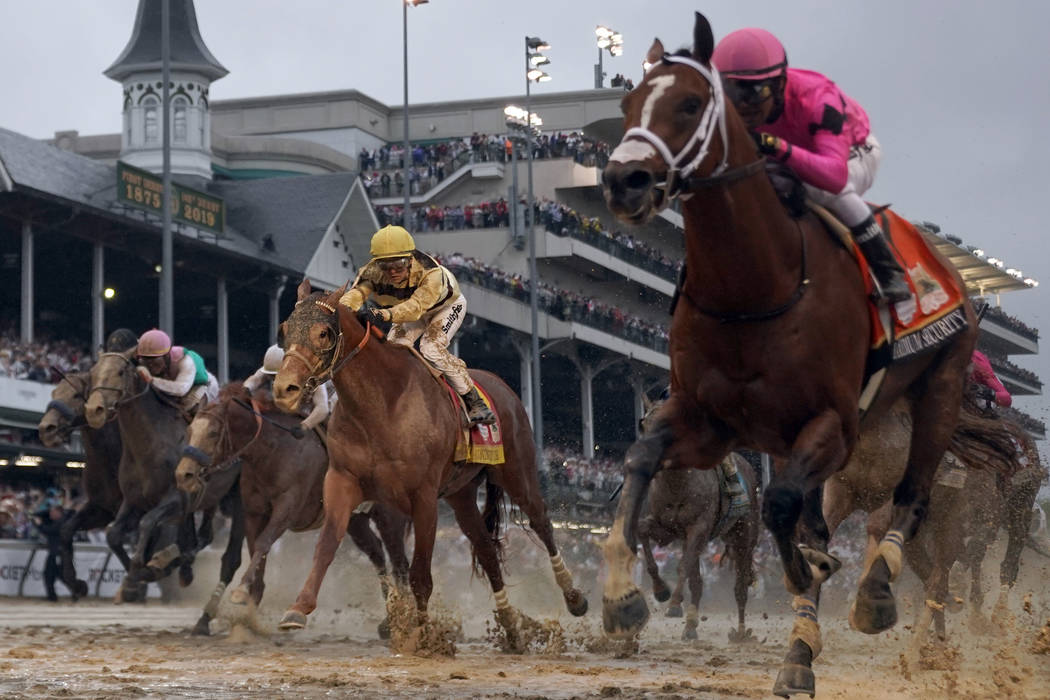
(208, 467)
(317, 376)
(62, 408)
(121, 390)
(679, 178)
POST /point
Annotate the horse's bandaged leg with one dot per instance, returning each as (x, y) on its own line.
(502, 602)
(619, 560)
(890, 551)
(561, 574)
(212, 608)
(692, 616)
(806, 628)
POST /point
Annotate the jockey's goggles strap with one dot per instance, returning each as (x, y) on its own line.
(714, 115)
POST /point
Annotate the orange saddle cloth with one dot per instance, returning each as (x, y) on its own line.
(932, 316)
(480, 444)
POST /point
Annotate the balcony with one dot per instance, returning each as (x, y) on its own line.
(1017, 380)
(1004, 334)
(1035, 427)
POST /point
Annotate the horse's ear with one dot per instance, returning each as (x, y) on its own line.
(280, 334)
(647, 403)
(304, 289)
(703, 39)
(334, 297)
(656, 52)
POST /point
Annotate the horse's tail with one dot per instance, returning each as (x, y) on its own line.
(493, 517)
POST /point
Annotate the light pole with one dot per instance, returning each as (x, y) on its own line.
(406, 217)
(533, 60)
(517, 120)
(611, 41)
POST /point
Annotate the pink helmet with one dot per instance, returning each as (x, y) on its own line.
(154, 343)
(750, 54)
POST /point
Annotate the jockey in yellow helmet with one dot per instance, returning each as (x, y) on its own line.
(422, 300)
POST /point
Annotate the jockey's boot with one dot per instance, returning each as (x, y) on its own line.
(872, 241)
(734, 486)
(477, 410)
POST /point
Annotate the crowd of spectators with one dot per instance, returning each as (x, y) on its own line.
(561, 303)
(37, 361)
(1004, 365)
(23, 508)
(589, 477)
(382, 168)
(556, 218)
(1033, 425)
(996, 312)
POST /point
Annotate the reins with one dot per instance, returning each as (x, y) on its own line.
(121, 400)
(207, 466)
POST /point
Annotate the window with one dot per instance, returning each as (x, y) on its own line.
(179, 130)
(152, 127)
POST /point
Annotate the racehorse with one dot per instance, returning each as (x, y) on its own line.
(102, 449)
(392, 439)
(769, 341)
(280, 484)
(152, 431)
(687, 505)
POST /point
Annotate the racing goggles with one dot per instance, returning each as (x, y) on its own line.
(749, 92)
(394, 264)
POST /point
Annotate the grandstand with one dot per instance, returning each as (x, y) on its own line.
(305, 180)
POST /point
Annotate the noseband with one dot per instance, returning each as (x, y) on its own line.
(121, 390)
(207, 464)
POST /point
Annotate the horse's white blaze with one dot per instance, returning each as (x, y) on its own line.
(660, 85)
(632, 150)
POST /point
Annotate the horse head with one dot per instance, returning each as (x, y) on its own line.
(313, 338)
(65, 412)
(113, 378)
(206, 438)
(675, 129)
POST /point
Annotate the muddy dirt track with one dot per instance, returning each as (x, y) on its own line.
(94, 649)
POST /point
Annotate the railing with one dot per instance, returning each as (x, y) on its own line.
(1004, 365)
(603, 241)
(562, 306)
(1032, 425)
(1014, 324)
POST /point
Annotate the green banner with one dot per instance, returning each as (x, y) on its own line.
(141, 188)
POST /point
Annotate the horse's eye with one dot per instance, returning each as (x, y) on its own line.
(691, 105)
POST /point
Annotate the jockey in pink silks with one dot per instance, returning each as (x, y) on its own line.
(802, 119)
(983, 374)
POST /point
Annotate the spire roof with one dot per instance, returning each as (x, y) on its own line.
(188, 52)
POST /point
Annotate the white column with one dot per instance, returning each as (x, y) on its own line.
(524, 349)
(223, 345)
(98, 309)
(26, 328)
(587, 408)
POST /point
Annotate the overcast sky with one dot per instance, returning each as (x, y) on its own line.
(958, 92)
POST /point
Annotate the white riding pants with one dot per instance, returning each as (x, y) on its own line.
(848, 205)
(434, 332)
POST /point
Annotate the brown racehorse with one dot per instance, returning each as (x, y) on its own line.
(281, 482)
(392, 439)
(768, 347)
(102, 449)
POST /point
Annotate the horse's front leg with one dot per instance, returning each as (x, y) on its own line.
(794, 493)
(660, 590)
(624, 611)
(696, 537)
(342, 493)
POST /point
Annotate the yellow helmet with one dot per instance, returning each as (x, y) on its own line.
(392, 242)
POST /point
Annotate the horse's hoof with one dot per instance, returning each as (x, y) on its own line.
(625, 617)
(80, 589)
(795, 679)
(384, 628)
(292, 620)
(239, 596)
(185, 575)
(202, 628)
(873, 615)
(741, 637)
(576, 602)
(689, 633)
(674, 610)
(662, 594)
(127, 594)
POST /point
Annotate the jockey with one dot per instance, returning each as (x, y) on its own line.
(802, 119)
(321, 404)
(981, 373)
(422, 300)
(176, 371)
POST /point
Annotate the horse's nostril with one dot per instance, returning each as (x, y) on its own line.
(638, 180)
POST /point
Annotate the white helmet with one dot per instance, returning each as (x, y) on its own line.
(272, 359)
